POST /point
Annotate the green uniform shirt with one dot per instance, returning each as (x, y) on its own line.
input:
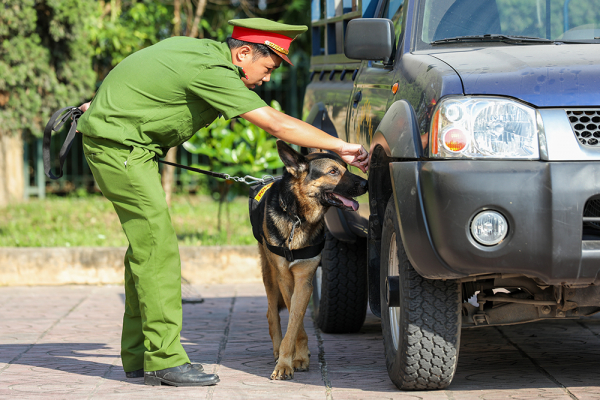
(160, 96)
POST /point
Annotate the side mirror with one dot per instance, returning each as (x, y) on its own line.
(370, 39)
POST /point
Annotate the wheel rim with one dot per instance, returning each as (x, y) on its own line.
(393, 270)
(319, 280)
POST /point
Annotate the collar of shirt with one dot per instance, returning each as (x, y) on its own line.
(224, 50)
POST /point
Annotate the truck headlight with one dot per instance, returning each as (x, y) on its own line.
(483, 127)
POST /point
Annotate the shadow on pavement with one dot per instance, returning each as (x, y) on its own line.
(230, 336)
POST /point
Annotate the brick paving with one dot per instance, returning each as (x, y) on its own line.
(63, 343)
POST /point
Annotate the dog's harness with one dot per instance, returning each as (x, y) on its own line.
(257, 206)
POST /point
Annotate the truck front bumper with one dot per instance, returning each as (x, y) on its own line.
(543, 203)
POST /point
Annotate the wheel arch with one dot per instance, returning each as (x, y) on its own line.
(396, 139)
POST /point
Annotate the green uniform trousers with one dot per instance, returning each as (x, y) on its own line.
(129, 178)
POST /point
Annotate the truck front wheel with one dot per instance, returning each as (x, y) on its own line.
(340, 293)
(420, 322)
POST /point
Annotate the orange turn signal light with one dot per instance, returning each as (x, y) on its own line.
(434, 132)
(455, 140)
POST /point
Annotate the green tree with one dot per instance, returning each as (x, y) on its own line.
(122, 27)
(45, 64)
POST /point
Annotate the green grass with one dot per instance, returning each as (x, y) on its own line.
(92, 221)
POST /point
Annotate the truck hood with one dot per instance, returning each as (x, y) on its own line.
(542, 75)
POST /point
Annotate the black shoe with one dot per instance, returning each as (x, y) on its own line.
(184, 375)
(140, 372)
(135, 374)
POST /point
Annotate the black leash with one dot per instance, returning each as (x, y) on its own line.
(59, 118)
(248, 180)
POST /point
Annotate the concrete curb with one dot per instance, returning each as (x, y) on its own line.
(21, 266)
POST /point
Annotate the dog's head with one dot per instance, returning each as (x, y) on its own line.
(322, 178)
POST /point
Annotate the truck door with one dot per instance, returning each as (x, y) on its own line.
(373, 86)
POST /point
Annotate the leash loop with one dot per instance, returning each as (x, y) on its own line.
(55, 123)
(249, 180)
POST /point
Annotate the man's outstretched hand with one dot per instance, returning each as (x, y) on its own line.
(356, 155)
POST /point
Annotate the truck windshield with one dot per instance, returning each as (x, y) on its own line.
(446, 22)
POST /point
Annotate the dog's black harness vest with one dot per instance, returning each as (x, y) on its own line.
(257, 204)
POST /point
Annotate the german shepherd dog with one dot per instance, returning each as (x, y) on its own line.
(293, 219)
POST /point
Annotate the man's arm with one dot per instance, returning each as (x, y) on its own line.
(298, 132)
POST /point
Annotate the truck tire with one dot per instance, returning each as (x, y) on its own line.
(422, 335)
(340, 293)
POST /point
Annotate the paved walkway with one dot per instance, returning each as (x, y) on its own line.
(63, 343)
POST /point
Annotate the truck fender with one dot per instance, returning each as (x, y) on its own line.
(398, 132)
(396, 137)
(334, 218)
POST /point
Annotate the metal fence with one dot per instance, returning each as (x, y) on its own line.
(286, 87)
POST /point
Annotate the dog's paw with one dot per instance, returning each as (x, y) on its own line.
(282, 373)
(301, 364)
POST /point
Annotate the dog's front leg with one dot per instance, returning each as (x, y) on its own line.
(269, 273)
(288, 358)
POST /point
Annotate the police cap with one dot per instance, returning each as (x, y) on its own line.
(275, 35)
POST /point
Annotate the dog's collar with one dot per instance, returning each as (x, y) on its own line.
(298, 254)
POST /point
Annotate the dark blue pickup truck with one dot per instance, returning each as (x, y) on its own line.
(483, 122)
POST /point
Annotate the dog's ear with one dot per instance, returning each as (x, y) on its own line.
(294, 162)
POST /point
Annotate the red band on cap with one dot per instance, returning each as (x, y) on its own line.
(257, 36)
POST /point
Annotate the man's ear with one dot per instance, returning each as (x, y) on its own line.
(295, 163)
(244, 52)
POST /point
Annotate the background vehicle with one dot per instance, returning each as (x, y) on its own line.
(483, 122)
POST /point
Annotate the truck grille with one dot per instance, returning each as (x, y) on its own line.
(591, 220)
(586, 125)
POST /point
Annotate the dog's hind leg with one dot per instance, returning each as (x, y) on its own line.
(269, 274)
(302, 290)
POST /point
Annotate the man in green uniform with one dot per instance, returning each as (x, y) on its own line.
(155, 99)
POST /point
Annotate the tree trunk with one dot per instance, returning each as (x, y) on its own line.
(176, 17)
(199, 12)
(189, 15)
(168, 174)
(12, 181)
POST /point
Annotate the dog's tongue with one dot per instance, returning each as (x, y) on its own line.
(347, 202)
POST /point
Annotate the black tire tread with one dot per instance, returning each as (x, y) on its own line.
(431, 327)
(344, 291)
(433, 334)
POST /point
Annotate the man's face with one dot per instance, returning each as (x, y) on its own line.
(259, 70)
